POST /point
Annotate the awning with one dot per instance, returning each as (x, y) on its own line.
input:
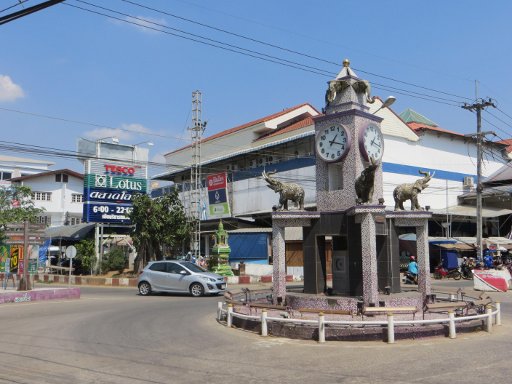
(467, 210)
(456, 246)
(69, 232)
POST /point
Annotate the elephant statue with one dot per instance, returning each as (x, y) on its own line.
(365, 182)
(287, 191)
(410, 191)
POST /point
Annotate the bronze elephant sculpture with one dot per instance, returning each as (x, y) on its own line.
(287, 191)
(410, 191)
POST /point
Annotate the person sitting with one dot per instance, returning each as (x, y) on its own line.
(412, 269)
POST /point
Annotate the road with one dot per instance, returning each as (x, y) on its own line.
(113, 335)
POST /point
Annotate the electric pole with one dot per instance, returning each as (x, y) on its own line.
(478, 106)
(196, 130)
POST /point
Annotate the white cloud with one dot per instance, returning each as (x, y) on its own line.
(9, 91)
(143, 23)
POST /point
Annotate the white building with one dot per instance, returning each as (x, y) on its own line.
(59, 192)
(11, 166)
(284, 142)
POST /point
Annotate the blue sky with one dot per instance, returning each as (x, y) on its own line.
(98, 76)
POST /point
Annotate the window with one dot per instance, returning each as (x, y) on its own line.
(47, 220)
(75, 220)
(5, 175)
(61, 177)
(77, 198)
(174, 268)
(158, 267)
(42, 196)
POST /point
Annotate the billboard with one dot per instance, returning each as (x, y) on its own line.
(109, 187)
(218, 196)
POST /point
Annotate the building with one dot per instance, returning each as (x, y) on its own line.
(284, 142)
(59, 193)
(18, 166)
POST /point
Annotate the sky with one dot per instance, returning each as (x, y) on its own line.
(122, 69)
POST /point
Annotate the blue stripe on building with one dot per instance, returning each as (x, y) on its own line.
(402, 169)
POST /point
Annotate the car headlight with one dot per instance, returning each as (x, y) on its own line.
(207, 278)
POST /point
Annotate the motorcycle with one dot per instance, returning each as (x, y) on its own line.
(466, 272)
(441, 272)
(409, 278)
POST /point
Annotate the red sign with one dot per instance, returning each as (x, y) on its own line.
(216, 181)
(119, 169)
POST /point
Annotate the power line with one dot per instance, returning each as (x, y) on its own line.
(90, 124)
(223, 46)
(19, 3)
(252, 53)
(287, 49)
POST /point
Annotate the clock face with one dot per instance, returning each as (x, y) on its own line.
(371, 142)
(332, 143)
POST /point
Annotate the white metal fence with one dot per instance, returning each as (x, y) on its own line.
(390, 323)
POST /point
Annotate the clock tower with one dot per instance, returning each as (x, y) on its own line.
(347, 136)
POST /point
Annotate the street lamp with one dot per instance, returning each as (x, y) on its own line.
(390, 100)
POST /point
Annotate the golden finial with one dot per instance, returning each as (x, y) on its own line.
(346, 63)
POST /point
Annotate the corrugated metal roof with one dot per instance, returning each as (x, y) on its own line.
(410, 116)
(467, 210)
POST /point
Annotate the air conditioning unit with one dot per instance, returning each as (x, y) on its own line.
(468, 182)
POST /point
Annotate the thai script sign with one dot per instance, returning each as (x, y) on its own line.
(109, 188)
(218, 195)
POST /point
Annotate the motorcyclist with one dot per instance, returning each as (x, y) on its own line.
(465, 267)
(488, 259)
(412, 269)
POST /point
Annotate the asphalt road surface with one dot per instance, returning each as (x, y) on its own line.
(113, 335)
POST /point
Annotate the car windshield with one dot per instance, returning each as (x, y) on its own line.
(193, 267)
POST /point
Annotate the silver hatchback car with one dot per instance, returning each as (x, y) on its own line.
(179, 276)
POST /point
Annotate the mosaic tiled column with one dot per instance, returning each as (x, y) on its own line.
(423, 258)
(419, 220)
(279, 267)
(281, 220)
(369, 255)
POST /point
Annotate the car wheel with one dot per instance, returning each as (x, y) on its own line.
(144, 288)
(196, 290)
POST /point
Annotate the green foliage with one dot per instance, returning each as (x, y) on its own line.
(114, 260)
(159, 224)
(16, 206)
(86, 254)
(213, 262)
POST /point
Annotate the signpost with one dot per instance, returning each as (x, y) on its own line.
(21, 235)
(70, 253)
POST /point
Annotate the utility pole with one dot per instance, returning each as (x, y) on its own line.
(196, 130)
(478, 106)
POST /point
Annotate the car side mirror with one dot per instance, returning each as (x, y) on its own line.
(182, 272)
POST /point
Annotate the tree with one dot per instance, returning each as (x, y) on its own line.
(159, 224)
(16, 206)
(86, 254)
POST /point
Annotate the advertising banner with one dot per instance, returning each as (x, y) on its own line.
(218, 196)
(109, 188)
(5, 252)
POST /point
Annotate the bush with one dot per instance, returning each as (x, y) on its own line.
(115, 260)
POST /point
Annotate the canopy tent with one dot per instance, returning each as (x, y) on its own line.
(69, 232)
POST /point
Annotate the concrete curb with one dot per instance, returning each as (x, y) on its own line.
(132, 282)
